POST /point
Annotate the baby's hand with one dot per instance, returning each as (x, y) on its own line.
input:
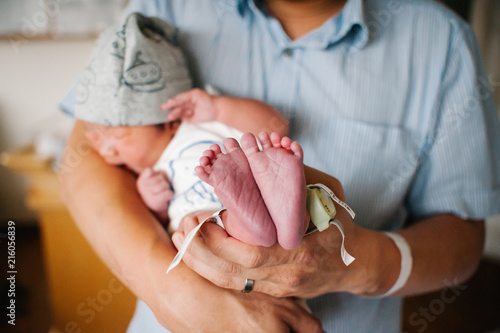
(194, 106)
(155, 191)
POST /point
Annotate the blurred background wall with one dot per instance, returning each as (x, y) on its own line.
(44, 45)
(32, 81)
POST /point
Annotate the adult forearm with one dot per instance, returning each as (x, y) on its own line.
(112, 217)
(249, 115)
(105, 206)
(446, 251)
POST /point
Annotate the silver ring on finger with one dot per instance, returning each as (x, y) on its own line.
(248, 286)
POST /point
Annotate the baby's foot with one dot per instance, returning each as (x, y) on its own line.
(279, 174)
(230, 175)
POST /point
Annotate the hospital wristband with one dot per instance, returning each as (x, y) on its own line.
(406, 263)
(319, 204)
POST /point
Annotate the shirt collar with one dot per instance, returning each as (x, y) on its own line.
(350, 23)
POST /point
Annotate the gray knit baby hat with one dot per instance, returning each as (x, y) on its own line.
(134, 68)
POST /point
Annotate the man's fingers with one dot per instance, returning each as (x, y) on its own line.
(303, 322)
(199, 252)
(206, 263)
(227, 274)
(231, 249)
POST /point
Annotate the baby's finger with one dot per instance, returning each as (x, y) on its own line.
(165, 196)
(187, 96)
(184, 113)
(157, 178)
(146, 173)
(160, 187)
(179, 99)
(170, 104)
(176, 113)
(162, 176)
(151, 178)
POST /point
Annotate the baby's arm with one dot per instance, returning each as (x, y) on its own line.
(155, 191)
(244, 114)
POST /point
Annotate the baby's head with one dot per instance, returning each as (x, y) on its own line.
(134, 68)
(136, 147)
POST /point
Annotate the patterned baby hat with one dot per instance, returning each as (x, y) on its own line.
(134, 68)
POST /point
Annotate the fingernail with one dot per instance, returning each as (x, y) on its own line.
(177, 240)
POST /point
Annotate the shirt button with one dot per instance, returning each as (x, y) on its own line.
(288, 52)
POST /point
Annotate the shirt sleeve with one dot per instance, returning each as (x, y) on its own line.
(157, 8)
(460, 170)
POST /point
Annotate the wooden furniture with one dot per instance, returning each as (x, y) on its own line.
(85, 295)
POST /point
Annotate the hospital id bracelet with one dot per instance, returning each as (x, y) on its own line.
(406, 263)
(319, 204)
(320, 208)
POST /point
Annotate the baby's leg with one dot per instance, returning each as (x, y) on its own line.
(248, 219)
(279, 173)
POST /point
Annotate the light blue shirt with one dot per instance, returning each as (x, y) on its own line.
(390, 97)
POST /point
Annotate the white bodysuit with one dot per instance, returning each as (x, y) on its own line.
(178, 161)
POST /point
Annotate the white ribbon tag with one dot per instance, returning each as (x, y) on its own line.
(215, 218)
(346, 257)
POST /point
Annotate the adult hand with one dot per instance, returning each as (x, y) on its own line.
(244, 312)
(313, 269)
(212, 309)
